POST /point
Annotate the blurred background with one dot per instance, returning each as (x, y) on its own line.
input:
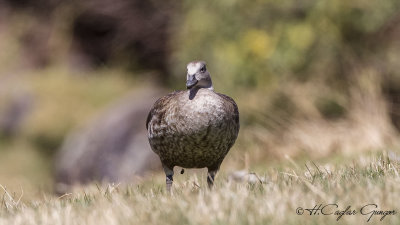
(313, 79)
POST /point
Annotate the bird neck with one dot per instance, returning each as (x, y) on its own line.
(208, 86)
(193, 91)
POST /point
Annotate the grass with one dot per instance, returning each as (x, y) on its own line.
(276, 200)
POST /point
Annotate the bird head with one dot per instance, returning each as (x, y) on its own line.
(198, 75)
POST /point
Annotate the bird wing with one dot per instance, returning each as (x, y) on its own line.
(159, 106)
(231, 103)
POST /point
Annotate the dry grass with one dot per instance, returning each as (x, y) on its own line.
(366, 180)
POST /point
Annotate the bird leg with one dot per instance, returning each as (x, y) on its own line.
(169, 173)
(169, 181)
(210, 178)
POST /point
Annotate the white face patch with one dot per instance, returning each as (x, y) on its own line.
(192, 68)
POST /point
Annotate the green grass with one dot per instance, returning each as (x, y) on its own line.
(365, 180)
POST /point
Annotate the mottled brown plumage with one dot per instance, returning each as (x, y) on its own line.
(193, 128)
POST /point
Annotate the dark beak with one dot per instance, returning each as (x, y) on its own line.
(191, 82)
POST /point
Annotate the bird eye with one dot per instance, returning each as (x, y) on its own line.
(203, 69)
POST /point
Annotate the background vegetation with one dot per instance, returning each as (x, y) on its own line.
(314, 80)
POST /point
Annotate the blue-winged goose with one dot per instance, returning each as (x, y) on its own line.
(193, 128)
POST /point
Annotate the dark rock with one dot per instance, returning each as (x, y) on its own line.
(112, 148)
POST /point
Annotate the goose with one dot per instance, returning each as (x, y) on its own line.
(193, 128)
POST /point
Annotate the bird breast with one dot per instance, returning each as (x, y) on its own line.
(191, 116)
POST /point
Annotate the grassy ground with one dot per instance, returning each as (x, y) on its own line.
(283, 193)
